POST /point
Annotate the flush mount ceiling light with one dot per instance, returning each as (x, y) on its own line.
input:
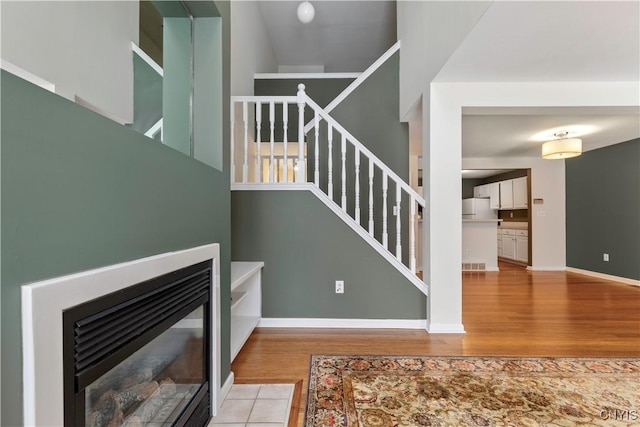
(562, 148)
(306, 12)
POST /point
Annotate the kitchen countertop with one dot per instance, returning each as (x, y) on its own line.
(482, 220)
(518, 225)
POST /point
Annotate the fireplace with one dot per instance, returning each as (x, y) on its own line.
(140, 356)
(132, 344)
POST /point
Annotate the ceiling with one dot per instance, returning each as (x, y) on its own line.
(344, 36)
(513, 41)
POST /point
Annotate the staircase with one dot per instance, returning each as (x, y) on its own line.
(327, 160)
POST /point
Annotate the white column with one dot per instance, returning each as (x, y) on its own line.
(302, 97)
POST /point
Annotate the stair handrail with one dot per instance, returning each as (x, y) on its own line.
(364, 150)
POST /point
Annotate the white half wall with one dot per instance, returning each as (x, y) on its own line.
(251, 50)
(442, 140)
(81, 47)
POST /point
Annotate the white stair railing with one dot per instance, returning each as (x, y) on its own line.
(246, 146)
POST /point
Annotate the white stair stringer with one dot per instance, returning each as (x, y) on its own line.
(386, 254)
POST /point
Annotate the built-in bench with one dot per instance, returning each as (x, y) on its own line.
(246, 302)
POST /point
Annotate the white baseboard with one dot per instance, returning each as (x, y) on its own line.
(343, 323)
(551, 268)
(445, 328)
(604, 276)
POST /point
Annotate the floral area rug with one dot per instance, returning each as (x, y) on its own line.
(389, 391)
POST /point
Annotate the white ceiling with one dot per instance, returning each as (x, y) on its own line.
(345, 36)
(513, 41)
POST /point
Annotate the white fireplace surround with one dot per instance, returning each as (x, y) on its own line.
(42, 306)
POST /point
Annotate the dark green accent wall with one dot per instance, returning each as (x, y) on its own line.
(518, 173)
(322, 91)
(467, 186)
(603, 210)
(79, 192)
(306, 248)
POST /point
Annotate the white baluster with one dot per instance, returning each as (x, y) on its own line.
(245, 161)
(330, 161)
(370, 197)
(398, 221)
(233, 142)
(344, 173)
(301, 164)
(285, 123)
(272, 125)
(357, 184)
(258, 129)
(412, 236)
(316, 175)
(385, 234)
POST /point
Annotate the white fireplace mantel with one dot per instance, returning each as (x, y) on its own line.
(42, 306)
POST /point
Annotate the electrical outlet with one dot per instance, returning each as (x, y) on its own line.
(339, 286)
(605, 257)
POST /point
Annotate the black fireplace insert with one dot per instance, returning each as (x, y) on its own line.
(141, 356)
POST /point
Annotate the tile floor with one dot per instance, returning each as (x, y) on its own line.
(255, 405)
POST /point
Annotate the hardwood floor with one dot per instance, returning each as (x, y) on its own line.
(511, 313)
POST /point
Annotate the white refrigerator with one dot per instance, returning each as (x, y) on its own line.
(476, 208)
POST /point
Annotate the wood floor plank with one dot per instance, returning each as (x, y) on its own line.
(514, 312)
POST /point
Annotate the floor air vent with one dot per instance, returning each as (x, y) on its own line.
(473, 266)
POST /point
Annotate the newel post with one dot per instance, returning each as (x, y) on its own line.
(302, 167)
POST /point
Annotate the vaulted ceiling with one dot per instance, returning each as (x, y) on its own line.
(513, 41)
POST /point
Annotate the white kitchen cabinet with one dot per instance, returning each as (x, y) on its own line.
(506, 194)
(520, 194)
(493, 190)
(480, 191)
(499, 242)
(508, 243)
(522, 246)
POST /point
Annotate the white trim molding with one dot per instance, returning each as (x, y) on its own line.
(343, 323)
(546, 268)
(604, 276)
(293, 76)
(445, 328)
(26, 75)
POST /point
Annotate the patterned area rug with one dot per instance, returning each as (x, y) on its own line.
(391, 391)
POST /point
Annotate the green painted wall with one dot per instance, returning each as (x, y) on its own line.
(80, 192)
(176, 100)
(306, 248)
(603, 210)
